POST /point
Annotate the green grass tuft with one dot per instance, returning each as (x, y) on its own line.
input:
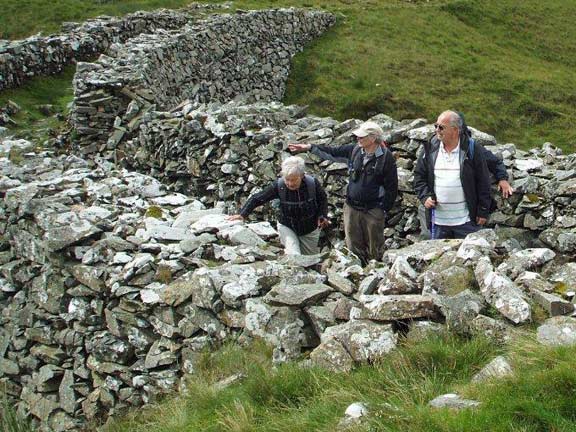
(10, 421)
(539, 396)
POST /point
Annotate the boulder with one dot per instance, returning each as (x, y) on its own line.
(557, 331)
(497, 368)
(394, 307)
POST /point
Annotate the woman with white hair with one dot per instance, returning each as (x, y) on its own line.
(303, 208)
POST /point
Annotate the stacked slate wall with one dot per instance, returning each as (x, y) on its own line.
(227, 152)
(112, 284)
(247, 54)
(37, 55)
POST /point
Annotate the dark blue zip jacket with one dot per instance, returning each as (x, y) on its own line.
(474, 176)
(495, 165)
(370, 185)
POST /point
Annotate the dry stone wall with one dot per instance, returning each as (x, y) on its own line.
(37, 55)
(247, 54)
(226, 152)
(112, 286)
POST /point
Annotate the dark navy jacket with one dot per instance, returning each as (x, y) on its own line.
(495, 164)
(302, 217)
(371, 185)
(474, 176)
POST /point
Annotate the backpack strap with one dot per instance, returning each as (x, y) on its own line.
(353, 156)
(379, 167)
(471, 146)
(310, 186)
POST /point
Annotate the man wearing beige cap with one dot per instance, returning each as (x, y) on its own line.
(372, 187)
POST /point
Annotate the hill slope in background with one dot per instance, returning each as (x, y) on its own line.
(508, 65)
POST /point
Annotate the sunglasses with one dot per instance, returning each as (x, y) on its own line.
(440, 127)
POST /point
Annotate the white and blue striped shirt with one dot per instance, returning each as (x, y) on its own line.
(451, 208)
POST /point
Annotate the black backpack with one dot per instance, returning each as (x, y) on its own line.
(310, 185)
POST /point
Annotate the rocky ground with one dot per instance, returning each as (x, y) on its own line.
(113, 281)
(118, 270)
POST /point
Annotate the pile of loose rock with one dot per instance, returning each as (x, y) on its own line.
(112, 286)
(219, 58)
(48, 55)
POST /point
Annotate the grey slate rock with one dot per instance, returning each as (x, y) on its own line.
(551, 303)
(332, 355)
(453, 401)
(297, 295)
(497, 368)
(67, 397)
(496, 330)
(394, 307)
(526, 259)
(501, 292)
(340, 283)
(557, 331)
(460, 310)
(365, 341)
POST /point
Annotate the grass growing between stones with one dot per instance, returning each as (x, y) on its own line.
(540, 396)
(53, 90)
(508, 65)
(9, 419)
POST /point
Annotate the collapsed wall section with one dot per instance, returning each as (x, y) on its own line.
(247, 54)
(36, 56)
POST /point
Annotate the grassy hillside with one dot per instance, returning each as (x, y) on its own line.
(22, 18)
(539, 397)
(508, 65)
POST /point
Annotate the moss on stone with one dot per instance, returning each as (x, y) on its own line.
(154, 212)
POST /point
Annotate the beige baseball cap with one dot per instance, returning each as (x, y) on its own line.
(368, 128)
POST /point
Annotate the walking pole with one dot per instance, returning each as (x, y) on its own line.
(433, 219)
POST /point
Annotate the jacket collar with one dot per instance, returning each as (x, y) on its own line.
(377, 153)
(464, 143)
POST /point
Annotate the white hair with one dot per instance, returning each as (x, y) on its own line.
(293, 165)
(454, 118)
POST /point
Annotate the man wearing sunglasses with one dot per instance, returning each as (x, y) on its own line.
(452, 184)
(497, 170)
(372, 187)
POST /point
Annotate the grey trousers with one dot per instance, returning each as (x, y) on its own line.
(364, 232)
(294, 244)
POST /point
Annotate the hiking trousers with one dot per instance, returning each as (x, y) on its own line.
(294, 244)
(364, 231)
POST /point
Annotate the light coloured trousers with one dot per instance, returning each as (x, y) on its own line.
(294, 244)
